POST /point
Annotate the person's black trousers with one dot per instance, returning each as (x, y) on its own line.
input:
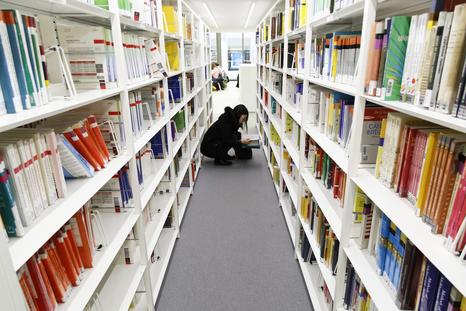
(216, 150)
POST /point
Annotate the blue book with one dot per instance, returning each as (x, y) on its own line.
(73, 163)
(5, 81)
(429, 288)
(382, 244)
(8, 209)
(16, 53)
(174, 84)
(443, 294)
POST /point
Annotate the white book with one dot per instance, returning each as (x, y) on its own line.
(40, 179)
(409, 58)
(453, 58)
(431, 94)
(420, 44)
(46, 168)
(23, 199)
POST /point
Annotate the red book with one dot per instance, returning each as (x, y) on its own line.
(42, 297)
(74, 261)
(97, 134)
(74, 248)
(406, 164)
(74, 140)
(459, 209)
(52, 251)
(65, 259)
(43, 273)
(87, 140)
(27, 288)
(53, 275)
(82, 238)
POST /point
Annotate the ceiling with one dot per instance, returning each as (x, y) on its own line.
(230, 15)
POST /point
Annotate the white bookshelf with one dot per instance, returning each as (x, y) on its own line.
(115, 285)
(357, 16)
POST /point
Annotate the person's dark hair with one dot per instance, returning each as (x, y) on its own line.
(240, 110)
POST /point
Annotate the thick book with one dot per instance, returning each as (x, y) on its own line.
(396, 50)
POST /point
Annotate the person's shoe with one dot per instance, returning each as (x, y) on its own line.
(223, 162)
(229, 157)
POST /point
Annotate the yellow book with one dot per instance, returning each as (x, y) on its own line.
(330, 115)
(334, 59)
(302, 13)
(173, 53)
(426, 172)
(463, 304)
(380, 148)
(358, 206)
(171, 19)
(283, 24)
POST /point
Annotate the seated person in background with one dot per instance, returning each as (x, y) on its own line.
(223, 135)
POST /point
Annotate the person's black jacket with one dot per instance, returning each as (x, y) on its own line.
(224, 131)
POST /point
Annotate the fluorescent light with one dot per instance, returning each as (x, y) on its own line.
(251, 8)
(210, 14)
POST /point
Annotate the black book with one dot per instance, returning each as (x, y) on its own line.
(349, 285)
(334, 258)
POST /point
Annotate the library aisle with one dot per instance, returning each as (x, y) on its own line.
(235, 253)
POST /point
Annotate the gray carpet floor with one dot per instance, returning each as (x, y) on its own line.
(234, 253)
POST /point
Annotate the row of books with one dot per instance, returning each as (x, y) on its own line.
(320, 228)
(277, 25)
(424, 163)
(294, 92)
(170, 16)
(276, 81)
(324, 168)
(297, 13)
(277, 55)
(48, 277)
(415, 281)
(356, 296)
(36, 161)
(326, 7)
(187, 26)
(116, 194)
(334, 56)
(274, 136)
(420, 59)
(143, 11)
(296, 55)
(289, 166)
(22, 59)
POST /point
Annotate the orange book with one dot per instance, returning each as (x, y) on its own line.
(48, 286)
(69, 249)
(74, 140)
(41, 294)
(27, 290)
(446, 187)
(65, 259)
(97, 134)
(84, 136)
(73, 247)
(53, 255)
(82, 238)
(59, 290)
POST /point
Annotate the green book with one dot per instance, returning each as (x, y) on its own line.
(8, 209)
(396, 52)
(179, 121)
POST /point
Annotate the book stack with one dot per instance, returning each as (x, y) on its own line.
(334, 56)
(172, 49)
(274, 136)
(420, 60)
(153, 98)
(292, 130)
(24, 72)
(137, 65)
(276, 80)
(424, 163)
(356, 296)
(414, 280)
(190, 82)
(277, 25)
(115, 194)
(326, 7)
(289, 166)
(296, 56)
(306, 251)
(48, 277)
(170, 17)
(323, 234)
(297, 13)
(90, 53)
(294, 92)
(277, 55)
(136, 108)
(324, 168)
(175, 90)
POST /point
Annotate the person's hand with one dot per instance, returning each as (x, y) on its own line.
(245, 141)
